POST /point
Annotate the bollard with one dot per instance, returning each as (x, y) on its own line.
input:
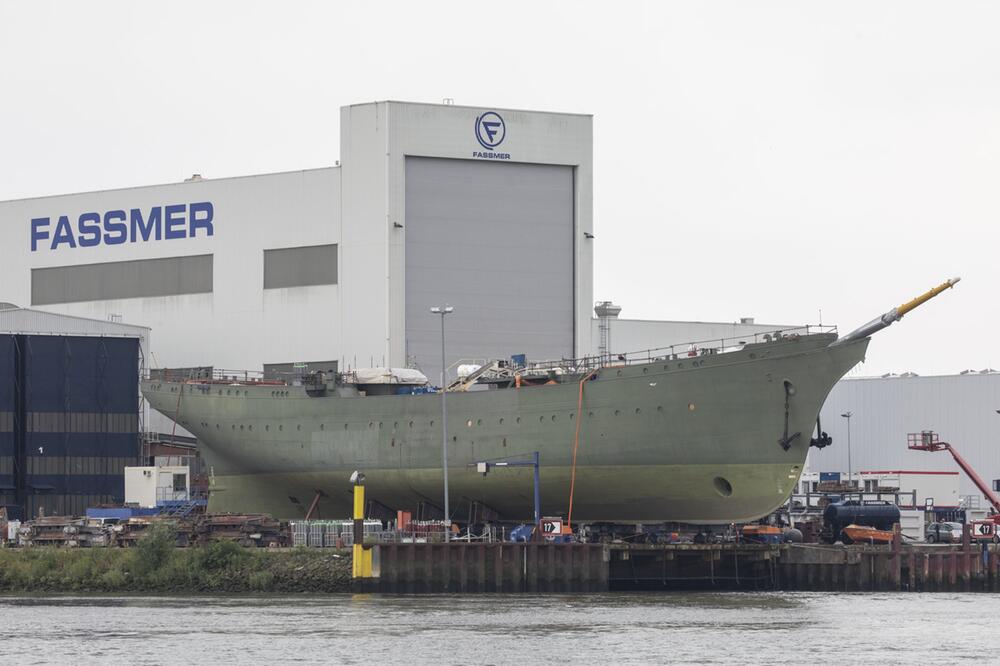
(361, 564)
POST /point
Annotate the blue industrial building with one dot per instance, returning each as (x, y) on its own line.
(69, 416)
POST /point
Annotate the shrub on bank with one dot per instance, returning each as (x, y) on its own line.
(156, 565)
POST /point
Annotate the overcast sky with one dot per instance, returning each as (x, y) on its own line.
(751, 159)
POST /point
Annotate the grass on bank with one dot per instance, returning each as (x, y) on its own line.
(156, 565)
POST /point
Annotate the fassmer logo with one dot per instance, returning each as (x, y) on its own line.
(490, 133)
(490, 130)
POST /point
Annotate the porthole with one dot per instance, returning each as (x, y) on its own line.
(216, 426)
(571, 416)
(690, 406)
(395, 425)
(469, 423)
(501, 421)
(392, 442)
(505, 441)
(645, 370)
(518, 419)
(241, 426)
(250, 428)
(680, 365)
(345, 426)
(379, 425)
(411, 424)
(454, 438)
(553, 418)
(666, 367)
(432, 423)
(371, 424)
(322, 426)
(722, 486)
(280, 427)
(234, 426)
(541, 419)
(659, 408)
(618, 412)
(479, 422)
(220, 391)
(298, 427)
(590, 415)
(619, 373)
(637, 411)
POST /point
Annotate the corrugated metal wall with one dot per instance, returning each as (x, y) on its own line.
(37, 322)
(76, 406)
(6, 419)
(960, 408)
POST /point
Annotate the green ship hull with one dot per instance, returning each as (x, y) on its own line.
(707, 439)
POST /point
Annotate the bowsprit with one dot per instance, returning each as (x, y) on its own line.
(117, 227)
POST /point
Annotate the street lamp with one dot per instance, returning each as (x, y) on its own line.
(850, 474)
(444, 310)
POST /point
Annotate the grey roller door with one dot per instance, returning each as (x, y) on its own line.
(495, 240)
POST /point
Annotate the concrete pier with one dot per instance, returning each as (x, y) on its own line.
(487, 568)
(567, 568)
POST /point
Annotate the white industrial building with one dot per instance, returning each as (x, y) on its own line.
(25, 321)
(486, 210)
(961, 408)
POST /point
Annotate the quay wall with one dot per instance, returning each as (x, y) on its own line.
(507, 568)
(563, 568)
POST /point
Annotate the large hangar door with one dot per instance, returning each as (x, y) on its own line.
(494, 240)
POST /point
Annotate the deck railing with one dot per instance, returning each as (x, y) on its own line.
(696, 348)
(674, 352)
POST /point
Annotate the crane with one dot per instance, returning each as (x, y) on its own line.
(927, 440)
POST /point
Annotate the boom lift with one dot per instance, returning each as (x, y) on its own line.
(981, 529)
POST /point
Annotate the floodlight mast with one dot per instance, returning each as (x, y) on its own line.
(443, 310)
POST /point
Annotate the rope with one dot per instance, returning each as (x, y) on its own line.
(576, 446)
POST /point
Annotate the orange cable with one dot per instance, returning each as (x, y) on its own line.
(576, 446)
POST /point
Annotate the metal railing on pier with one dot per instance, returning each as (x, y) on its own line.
(812, 502)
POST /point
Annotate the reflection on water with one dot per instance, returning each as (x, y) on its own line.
(707, 628)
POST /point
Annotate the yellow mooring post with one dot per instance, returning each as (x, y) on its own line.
(361, 565)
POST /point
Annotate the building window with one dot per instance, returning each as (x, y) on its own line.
(300, 266)
(142, 278)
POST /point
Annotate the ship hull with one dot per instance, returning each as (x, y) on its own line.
(686, 439)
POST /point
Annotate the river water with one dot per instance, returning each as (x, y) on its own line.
(693, 628)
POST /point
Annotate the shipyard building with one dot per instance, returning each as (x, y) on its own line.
(70, 421)
(486, 210)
